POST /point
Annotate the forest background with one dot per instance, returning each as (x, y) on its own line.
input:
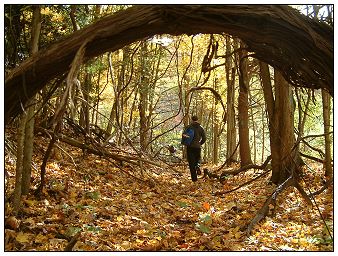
(129, 107)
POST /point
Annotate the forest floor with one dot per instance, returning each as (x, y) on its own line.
(113, 211)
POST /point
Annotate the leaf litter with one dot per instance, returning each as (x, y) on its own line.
(115, 212)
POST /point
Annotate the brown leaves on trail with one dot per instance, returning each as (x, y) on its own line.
(115, 212)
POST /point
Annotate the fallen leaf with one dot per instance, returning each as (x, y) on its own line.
(23, 237)
(40, 239)
(206, 206)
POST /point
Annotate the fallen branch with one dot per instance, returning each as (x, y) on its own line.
(247, 167)
(229, 159)
(263, 212)
(312, 67)
(147, 182)
(302, 192)
(312, 158)
(72, 242)
(271, 199)
(101, 151)
(244, 184)
(326, 185)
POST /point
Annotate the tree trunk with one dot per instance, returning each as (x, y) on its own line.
(30, 119)
(326, 115)
(28, 150)
(144, 98)
(231, 119)
(72, 15)
(263, 133)
(254, 132)
(284, 106)
(119, 98)
(19, 165)
(285, 161)
(95, 114)
(215, 130)
(84, 113)
(112, 112)
(215, 150)
(302, 112)
(243, 117)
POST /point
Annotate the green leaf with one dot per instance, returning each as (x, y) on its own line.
(203, 228)
(93, 195)
(207, 220)
(93, 228)
(82, 207)
(182, 204)
(71, 231)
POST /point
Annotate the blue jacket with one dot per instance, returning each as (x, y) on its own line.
(199, 136)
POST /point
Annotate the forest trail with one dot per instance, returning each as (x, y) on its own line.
(116, 212)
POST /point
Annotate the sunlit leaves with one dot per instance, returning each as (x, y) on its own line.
(114, 212)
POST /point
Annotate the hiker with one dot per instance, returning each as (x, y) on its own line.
(193, 137)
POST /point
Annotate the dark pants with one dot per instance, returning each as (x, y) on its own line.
(194, 158)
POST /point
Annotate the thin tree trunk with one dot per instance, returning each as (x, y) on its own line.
(19, 165)
(119, 99)
(215, 129)
(254, 139)
(273, 116)
(72, 17)
(231, 119)
(30, 119)
(263, 134)
(144, 98)
(112, 112)
(302, 113)
(243, 117)
(254, 132)
(28, 150)
(326, 115)
(98, 98)
(86, 103)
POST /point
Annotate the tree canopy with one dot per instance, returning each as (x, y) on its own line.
(302, 49)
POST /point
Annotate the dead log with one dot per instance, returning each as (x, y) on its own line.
(301, 48)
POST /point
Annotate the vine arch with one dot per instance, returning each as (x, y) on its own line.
(302, 49)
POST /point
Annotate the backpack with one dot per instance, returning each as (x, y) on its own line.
(188, 136)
